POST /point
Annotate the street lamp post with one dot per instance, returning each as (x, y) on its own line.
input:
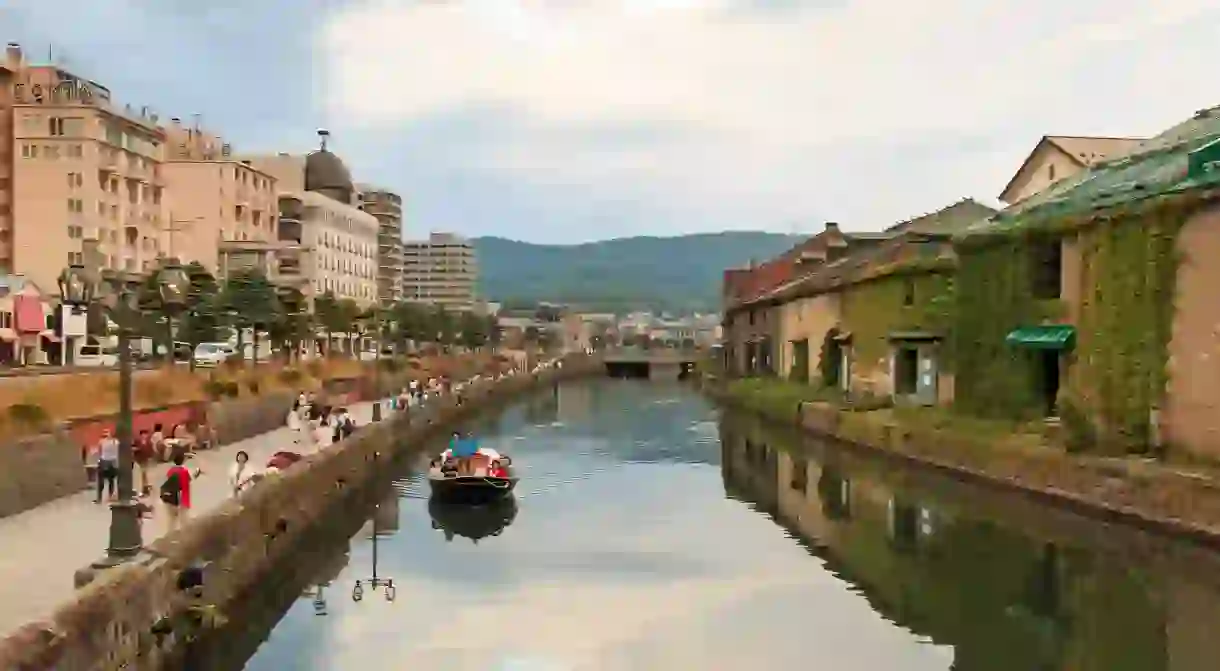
(77, 289)
(375, 581)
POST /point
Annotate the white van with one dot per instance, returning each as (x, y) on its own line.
(96, 356)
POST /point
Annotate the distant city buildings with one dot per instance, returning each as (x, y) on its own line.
(442, 270)
(386, 206)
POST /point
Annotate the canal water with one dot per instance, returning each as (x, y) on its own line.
(652, 531)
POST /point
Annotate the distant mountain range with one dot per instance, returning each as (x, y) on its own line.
(679, 274)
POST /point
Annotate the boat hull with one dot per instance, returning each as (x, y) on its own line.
(470, 488)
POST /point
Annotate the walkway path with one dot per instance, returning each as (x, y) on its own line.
(41, 548)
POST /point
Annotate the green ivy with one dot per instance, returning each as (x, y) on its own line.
(1128, 273)
(1126, 323)
(992, 298)
(873, 310)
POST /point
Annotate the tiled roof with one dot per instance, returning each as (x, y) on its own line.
(951, 219)
(1090, 150)
(904, 246)
(1156, 166)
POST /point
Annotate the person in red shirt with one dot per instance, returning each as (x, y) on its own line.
(176, 491)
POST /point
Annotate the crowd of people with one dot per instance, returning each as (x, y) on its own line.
(313, 421)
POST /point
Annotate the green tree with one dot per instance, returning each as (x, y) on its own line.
(473, 330)
(253, 302)
(326, 314)
(202, 319)
(495, 334)
(347, 315)
(443, 325)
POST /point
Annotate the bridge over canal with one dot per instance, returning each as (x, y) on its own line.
(654, 363)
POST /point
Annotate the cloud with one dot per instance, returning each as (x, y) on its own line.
(571, 120)
(767, 109)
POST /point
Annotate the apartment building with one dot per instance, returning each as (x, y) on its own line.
(75, 167)
(387, 207)
(213, 197)
(441, 270)
(320, 216)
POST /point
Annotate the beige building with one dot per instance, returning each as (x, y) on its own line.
(327, 233)
(441, 270)
(1058, 157)
(75, 167)
(213, 197)
(387, 207)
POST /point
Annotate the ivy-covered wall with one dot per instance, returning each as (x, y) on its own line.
(874, 309)
(1126, 285)
(992, 298)
(1129, 276)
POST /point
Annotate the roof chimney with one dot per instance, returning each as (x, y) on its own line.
(13, 57)
(832, 226)
(323, 135)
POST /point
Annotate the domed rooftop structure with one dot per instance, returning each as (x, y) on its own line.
(326, 174)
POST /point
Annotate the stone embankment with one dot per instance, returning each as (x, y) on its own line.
(1176, 501)
(38, 469)
(141, 615)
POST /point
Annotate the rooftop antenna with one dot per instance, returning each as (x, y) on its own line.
(323, 136)
(197, 118)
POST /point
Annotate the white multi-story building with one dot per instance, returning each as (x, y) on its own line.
(441, 270)
(321, 217)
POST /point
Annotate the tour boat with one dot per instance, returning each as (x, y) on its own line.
(473, 479)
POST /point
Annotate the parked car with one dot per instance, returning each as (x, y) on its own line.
(213, 353)
(96, 355)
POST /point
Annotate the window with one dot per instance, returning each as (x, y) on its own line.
(75, 180)
(908, 292)
(76, 151)
(29, 150)
(76, 258)
(1050, 172)
(56, 126)
(51, 151)
(76, 205)
(1047, 269)
(76, 232)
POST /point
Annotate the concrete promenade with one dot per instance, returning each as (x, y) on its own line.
(41, 548)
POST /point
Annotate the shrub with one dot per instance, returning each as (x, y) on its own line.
(253, 385)
(29, 415)
(1079, 434)
(215, 389)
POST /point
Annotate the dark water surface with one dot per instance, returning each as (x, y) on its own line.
(651, 532)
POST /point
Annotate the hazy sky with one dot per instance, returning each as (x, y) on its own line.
(564, 121)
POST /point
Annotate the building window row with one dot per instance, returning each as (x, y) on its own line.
(51, 152)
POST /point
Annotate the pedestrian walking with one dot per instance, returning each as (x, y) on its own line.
(242, 473)
(294, 422)
(142, 453)
(107, 465)
(176, 491)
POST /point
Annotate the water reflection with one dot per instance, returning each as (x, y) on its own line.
(626, 554)
(471, 521)
(1005, 596)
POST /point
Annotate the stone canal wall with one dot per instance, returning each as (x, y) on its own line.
(1178, 502)
(38, 469)
(140, 616)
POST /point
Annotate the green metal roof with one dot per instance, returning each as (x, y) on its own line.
(1056, 336)
(1161, 165)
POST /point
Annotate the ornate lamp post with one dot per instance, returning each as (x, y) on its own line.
(125, 540)
(76, 292)
(375, 581)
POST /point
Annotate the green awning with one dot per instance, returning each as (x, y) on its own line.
(1057, 336)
